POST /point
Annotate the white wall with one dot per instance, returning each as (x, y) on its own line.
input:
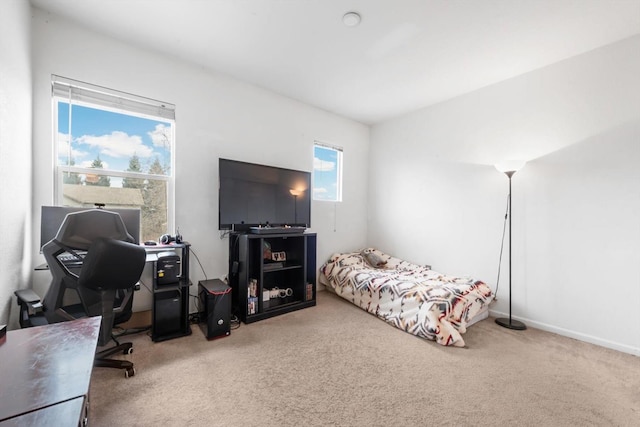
(216, 116)
(15, 153)
(582, 239)
(434, 197)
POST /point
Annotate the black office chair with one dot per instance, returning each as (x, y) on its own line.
(111, 267)
(91, 255)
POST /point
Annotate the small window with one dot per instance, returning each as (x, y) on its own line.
(114, 148)
(327, 173)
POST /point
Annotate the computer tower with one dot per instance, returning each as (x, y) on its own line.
(215, 308)
(168, 268)
(168, 313)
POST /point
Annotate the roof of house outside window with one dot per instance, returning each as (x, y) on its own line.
(88, 195)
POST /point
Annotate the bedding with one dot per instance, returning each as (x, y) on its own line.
(411, 297)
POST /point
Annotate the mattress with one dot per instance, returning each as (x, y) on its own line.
(411, 297)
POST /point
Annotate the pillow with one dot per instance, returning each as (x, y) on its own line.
(374, 260)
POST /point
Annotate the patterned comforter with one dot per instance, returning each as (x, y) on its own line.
(411, 297)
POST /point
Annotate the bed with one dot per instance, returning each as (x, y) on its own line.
(411, 297)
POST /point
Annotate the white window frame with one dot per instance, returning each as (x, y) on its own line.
(339, 165)
(75, 92)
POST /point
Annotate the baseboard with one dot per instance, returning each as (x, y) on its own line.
(572, 334)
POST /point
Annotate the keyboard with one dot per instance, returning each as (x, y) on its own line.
(70, 260)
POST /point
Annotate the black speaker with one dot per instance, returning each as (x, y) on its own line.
(215, 308)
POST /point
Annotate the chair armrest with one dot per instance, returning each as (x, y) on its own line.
(30, 300)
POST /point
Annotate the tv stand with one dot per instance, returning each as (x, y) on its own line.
(266, 285)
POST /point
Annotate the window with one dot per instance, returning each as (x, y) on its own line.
(327, 172)
(114, 148)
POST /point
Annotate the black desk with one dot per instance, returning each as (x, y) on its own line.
(46, 370)
(170, 305)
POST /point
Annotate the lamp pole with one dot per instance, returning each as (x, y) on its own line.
(295, 193)
(510, 323)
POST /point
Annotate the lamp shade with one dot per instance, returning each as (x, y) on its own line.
(510, 166)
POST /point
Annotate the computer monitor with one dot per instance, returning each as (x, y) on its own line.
(52, 216)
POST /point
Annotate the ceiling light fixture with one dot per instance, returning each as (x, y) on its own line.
(351, 19)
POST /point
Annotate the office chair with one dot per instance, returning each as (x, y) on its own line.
(92, 256)
(111, 267)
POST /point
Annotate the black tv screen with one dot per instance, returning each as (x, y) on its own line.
(252, 195)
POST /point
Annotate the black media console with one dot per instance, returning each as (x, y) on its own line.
(271, 274)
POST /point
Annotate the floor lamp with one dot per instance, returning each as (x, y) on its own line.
(510, 168)
(295, 194)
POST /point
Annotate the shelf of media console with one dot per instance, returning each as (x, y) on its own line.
(279, 309)
(275, 304)
(270, 268)
(297, 272)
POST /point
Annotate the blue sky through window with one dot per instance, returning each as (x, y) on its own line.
(326, 173)
(114, 137)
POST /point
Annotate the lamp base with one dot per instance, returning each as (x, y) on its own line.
(511, 324)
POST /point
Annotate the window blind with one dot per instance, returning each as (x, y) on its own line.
(325, 145)
(74, 90)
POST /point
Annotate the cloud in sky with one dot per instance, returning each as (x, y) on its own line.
(63, 139)
(161, 136)
(117, 144)
(63, 148)
(323, 165)
(319, 190)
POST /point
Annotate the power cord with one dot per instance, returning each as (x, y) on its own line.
(145, 285)
(504, 230)
(234, 322)
(194, 318)
(199, 263)
(130, 331)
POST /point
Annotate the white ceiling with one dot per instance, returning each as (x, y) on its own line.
(405, 54)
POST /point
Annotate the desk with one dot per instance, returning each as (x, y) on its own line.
(47, 368)
(170, 302)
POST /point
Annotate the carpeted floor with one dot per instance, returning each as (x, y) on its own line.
(336, 365)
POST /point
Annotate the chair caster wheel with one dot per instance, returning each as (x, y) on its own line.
(127, 351)
(128, 373)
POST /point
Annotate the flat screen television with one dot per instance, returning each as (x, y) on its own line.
(52, 216)
(252, 195)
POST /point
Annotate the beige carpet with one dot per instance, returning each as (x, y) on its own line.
(336, 365)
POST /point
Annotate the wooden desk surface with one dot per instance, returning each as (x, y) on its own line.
(46, 365)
